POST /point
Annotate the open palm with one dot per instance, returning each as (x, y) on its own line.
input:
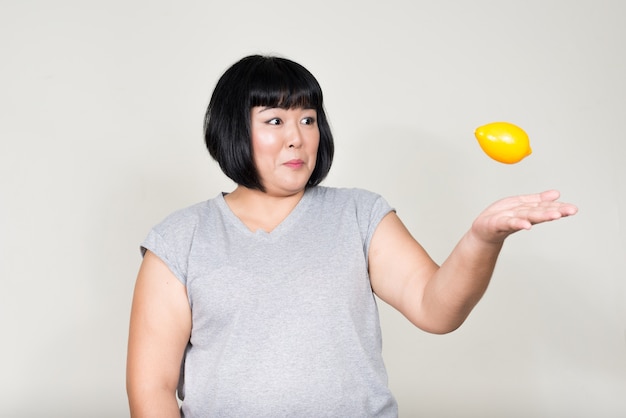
(513, 214)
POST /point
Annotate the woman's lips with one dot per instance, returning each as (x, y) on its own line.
(294, 163)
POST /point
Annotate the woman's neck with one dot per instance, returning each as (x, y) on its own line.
(259, 210)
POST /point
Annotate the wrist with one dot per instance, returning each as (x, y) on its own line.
(479, 241)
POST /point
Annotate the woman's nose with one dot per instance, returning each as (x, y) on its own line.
(295, 138)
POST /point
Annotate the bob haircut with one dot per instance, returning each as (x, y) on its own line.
(261, 81)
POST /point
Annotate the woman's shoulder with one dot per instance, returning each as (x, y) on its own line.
(186, 218)
(345, 194)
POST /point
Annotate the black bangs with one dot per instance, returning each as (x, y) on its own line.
(284, 84)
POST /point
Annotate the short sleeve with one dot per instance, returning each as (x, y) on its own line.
(172, 239)
(371, 209)
(159, 247)
(379, 210)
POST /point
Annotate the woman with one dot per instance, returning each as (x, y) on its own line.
(260, 302)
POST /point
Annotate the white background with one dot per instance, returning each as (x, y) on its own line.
(101, 107)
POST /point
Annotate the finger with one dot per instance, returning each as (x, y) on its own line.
(549, 195)
(541, 214)
(518, 224)
(511, 224)
(567, 209)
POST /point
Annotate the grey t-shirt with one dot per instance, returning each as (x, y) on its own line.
(285, 323)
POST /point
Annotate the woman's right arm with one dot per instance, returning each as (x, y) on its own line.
(160, 326)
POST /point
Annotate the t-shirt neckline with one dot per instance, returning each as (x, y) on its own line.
(281, 228)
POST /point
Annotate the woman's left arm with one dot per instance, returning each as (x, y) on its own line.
(438, 299)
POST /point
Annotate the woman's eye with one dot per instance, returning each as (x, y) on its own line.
(274, 121)
(308, 121)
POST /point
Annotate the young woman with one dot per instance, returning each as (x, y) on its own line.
(260, 302)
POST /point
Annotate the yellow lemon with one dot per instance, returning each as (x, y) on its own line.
(504, 142)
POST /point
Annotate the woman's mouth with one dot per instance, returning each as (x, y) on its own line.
(294, 163)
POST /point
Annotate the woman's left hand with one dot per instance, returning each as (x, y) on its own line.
(513, 214)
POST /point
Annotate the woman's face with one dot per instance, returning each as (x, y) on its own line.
(284, 147)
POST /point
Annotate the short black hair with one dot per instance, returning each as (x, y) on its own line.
(258, 80)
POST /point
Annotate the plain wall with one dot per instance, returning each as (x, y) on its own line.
(101, 107)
